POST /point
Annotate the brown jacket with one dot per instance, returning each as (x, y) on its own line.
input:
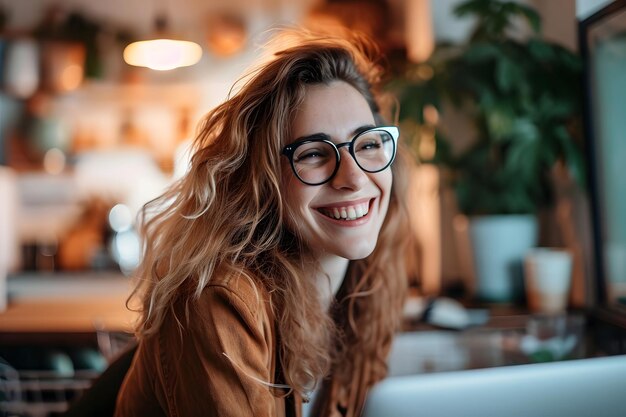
(215, 365)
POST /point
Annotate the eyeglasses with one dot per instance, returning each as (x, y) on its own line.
(315, 161)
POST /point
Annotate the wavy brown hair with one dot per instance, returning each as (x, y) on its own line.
(227, 216)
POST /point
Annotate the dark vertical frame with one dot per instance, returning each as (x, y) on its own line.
(591, 148)
(608, 326)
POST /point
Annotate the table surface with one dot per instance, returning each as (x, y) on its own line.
(504, 340)
(67, 303)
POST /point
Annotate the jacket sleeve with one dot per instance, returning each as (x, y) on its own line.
(217, 363)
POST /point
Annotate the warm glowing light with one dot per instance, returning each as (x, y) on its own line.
(420, 38)
(54, 161)
(431, 115)
(427, 143)
(162, 54)
(71, 77)
(425, 72)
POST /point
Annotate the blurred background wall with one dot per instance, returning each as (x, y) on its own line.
(86, 132)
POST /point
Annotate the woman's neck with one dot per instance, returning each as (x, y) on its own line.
(332, 271)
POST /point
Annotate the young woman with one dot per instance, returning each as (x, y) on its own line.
(275, 267)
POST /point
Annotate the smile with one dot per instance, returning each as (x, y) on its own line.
(348, 212)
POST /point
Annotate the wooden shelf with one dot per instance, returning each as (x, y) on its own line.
(58, 304)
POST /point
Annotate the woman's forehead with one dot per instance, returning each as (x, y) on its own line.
(336, 109)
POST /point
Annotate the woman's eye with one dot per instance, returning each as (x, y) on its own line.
(311, 155)
(369, 145)
(308, 155)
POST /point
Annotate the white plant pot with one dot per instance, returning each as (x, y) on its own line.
(499, 244)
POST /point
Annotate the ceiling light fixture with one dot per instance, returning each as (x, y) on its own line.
(163, 52)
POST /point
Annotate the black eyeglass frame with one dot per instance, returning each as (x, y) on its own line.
(290, 149)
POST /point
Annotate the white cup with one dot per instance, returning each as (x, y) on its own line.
(548, 275)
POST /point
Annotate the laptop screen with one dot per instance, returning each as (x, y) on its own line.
(576, 388)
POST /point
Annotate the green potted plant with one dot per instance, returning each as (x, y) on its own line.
(522, 100)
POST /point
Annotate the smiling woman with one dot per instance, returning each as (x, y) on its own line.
(275, 267)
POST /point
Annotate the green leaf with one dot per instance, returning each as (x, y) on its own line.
(569, 60)
(541, 50)
(499, 122)
(521, 161)
(507, 74)
(525, 130)
(550, 107)
(573, 158)
(480, 52)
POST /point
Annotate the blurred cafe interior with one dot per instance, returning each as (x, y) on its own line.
(514, 115)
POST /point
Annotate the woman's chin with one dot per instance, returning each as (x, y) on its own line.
(356, 253)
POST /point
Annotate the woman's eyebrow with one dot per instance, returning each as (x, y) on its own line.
(314, 136)
(362, 129)
(318, 136)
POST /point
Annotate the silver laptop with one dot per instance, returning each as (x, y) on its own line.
(594, 387)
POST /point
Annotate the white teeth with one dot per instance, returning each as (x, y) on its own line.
(347, 213)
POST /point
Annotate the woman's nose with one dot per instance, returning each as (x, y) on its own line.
(349, 175)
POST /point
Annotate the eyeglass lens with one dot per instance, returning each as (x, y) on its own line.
(315, 162)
